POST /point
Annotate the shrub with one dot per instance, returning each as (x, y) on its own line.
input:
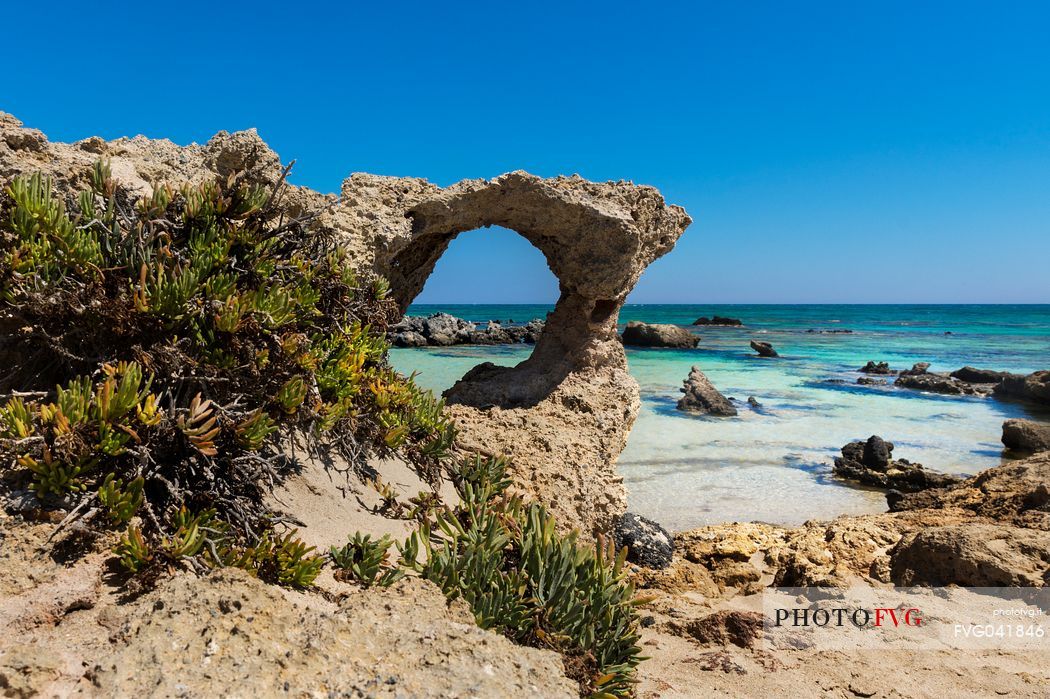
(520, 577)
(366, 561)
(161, 349)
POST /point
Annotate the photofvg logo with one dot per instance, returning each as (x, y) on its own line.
(917, 618)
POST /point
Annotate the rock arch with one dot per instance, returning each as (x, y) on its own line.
(564, 413)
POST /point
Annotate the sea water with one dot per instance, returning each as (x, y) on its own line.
(773, 464)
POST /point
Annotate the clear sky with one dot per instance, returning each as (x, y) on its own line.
(828, 152)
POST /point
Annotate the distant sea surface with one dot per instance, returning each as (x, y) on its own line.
(774, 464)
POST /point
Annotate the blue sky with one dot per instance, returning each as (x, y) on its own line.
(828, 152)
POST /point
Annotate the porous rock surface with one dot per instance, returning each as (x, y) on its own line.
(639, 334)
(871, 463)
(565, 412)
(1026, 435)
(648, 544)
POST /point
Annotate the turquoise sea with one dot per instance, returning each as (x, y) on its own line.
(774, 464)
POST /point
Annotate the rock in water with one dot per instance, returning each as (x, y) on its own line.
(871, 463)
(702, 397)
(1026, 435)
(638, 334)
(648, 544)
(868, 381)
(764, 349)
(718, 320)
(971, 375)
(877, 368)
(1034, 387)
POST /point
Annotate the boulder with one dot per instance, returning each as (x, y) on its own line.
(871, 463)
(718, 321)
(1034, 387)
(972, 375)
(648, 544)
(920, 378)
(877, 368)
(868, 381)
(638, 334)
(972, 555)
(1026, 435)
(764, 349)
(702, 397)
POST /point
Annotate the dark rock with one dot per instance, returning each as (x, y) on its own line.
(829, 331)
(871, 463)
(877, 368)
(764, 349)
(973, 555)
(894, 499)
(722, 628)
(867, 381)
(971, 375)
(638, 334)
(917, 369)
(1026, 435)
(702, 397)
(718, 320)
(1033, 387)
(648, 544)
(753, 402)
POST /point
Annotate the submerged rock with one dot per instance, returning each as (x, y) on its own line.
(648, 544)
(1026, 435)
(764, 349)
(868, 381)
(702, 397)
(639, 334)
(881, 368)
(831, 331)
(718, 321)
(871, 463)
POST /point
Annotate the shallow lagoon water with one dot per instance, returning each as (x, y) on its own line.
(774, 464)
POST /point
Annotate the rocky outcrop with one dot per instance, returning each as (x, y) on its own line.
(1034, 387)
(972, 375)
(868, 381)
(442, 330)
(920, 378)
(1026, 436)
(648, 544)
(565, 411)
(638, 334)
(720, 321)
(881, 368)
(871, 463)
(702, 397)
(972, 554)
(764, 349)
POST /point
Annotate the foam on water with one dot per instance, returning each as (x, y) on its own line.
(774, 464)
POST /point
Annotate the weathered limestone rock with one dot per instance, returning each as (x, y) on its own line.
(565, 412)
(1034, 387)
(1026, 435)
(872, 463)
(702, 397)
(872, 367)
(638, 334)
(972, 554)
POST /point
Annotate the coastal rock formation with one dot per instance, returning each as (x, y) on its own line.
(1034, 387)
(881, 368)
(831, 331)
(972, 554)
(871, 463)
(442, 330)
(1026, 435)
(868, 381)
(722, 321)
(702, 397)
(764, 349)
(972, 375)
(648, 544)
(638, 334)
(564, 413)
(921, 379)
